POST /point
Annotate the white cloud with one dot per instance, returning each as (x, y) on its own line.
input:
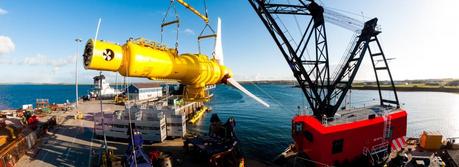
(189, 31)
(56, 68)
(6, 61)
(3, 11)
(40, 59)
(6, 45)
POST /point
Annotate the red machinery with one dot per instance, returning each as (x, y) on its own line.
(328, 137)
(346, 141)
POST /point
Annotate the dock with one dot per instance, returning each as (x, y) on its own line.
(73, 143)
(70, 143)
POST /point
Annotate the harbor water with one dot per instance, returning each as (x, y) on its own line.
(14, 96)
(264, 132)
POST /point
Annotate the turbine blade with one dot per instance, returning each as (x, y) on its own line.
(242, 89)
(97, 30)
(218, 43)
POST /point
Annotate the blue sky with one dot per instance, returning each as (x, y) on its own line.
(37, 37)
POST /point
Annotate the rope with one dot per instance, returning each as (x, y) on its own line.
(201, 34)
(272, 98)
(296, 20)
(103, 115)
(164, 20)
(129, 117)
(177, 29)
(287, 31)
(205, 8)
(116, 81)
(350, 92)
(348, 12)
(293, 39)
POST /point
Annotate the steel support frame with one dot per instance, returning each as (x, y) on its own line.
(341, 86)
(312, 75)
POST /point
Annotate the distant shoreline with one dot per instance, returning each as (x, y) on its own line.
(410, 89)
(57, 84)
(403, 88)
(293, 83)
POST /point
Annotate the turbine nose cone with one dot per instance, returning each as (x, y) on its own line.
(226, 73)
(100, 55)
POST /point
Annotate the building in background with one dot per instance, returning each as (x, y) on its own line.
(102, 89)
(145, 91)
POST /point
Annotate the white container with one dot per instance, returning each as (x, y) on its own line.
(151, 125)
(27, 106)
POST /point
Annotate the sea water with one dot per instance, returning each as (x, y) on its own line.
(265, 132)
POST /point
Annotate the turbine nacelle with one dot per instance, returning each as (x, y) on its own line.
(148, 59)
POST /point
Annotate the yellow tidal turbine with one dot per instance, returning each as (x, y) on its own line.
(148, 59)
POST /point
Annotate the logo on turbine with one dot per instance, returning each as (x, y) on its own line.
(108, 54)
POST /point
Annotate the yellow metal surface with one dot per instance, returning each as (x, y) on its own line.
(3, 139)
(5, 133)
(120, 99)
(78, 115)
(147, 59)
(11, 131)
(104, 56)
(194, 10)
(198, 115)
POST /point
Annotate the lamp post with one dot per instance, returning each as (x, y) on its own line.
(78, 41)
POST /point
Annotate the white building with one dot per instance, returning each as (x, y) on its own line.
(145, 91)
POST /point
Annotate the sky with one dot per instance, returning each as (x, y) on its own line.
(37, 38)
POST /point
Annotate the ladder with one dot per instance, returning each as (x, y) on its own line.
(377, 56)
(387, 123)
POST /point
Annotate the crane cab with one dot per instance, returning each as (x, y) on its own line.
(352, 137)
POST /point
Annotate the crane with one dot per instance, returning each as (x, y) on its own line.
(326, 138)
(324, 91)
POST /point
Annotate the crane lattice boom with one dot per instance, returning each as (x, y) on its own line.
(323, 93)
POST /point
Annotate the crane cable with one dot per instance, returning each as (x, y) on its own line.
(296, 20)
(129, 117)
(202, 36)
(349, 103)
(176, 21)
(283, 107)
(299, 29)
(207, 26)
(102, 119)
(100, 99)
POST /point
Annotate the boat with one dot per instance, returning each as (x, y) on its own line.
(220, 147)
(101, 89)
